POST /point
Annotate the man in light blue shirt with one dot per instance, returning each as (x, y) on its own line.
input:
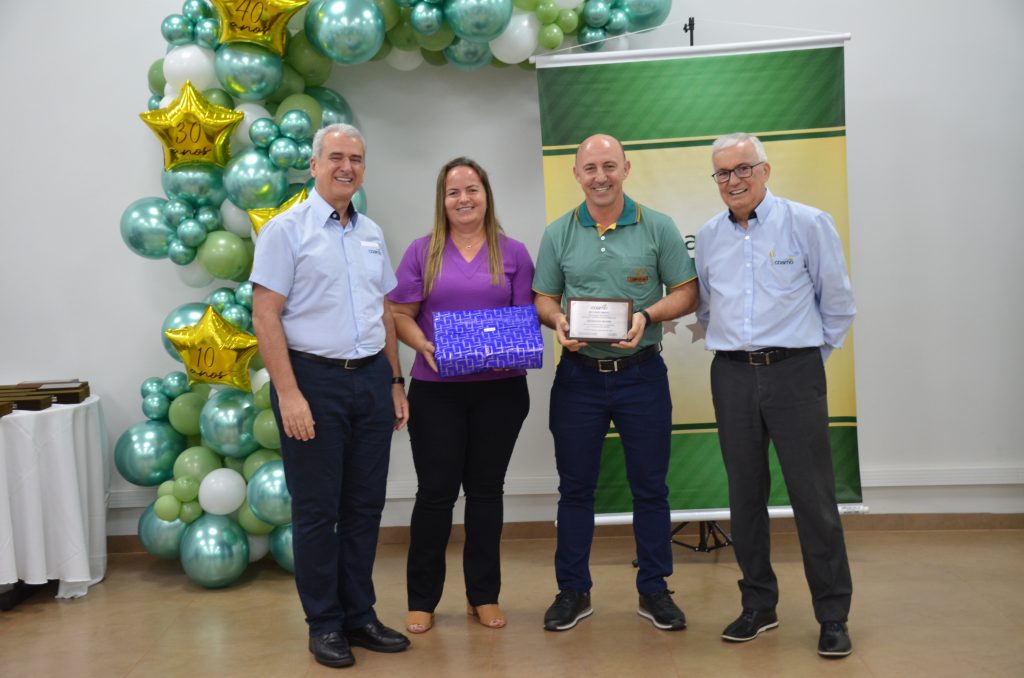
(320, 273)
(775, 300)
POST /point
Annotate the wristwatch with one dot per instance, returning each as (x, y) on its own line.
(398, 380)
(647, 317)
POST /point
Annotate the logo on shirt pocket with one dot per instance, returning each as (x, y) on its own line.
(780, 260)
(371, 247)
(639, 276)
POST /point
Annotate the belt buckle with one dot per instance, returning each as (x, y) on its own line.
(765, 358)
(348, 364)
(614, 365)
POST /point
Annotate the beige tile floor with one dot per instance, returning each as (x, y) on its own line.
(931, 603)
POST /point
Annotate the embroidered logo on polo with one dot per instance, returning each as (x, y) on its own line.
(639, 276)
(468, 342)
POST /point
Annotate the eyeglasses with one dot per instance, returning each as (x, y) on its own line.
(742, 172)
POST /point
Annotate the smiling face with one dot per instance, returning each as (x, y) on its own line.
(465, 199)
(742, 196)
(600, 169)
(338, 169)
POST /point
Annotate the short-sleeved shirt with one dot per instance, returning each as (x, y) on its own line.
(636, 260)
(334, 278)
(462, 286)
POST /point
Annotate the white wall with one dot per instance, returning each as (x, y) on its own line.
(933, 176)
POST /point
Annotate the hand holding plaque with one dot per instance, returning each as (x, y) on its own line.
(599, 320)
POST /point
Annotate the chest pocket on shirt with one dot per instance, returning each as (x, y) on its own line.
(786, 269)
(373, 257)
(638, 273)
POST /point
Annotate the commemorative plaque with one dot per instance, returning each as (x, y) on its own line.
(599, 320)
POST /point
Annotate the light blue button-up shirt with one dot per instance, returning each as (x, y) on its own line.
(334, 278)
(782, 281)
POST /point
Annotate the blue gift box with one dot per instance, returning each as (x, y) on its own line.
(467, 342)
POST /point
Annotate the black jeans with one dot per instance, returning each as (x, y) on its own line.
(462, 434)
(785, 402)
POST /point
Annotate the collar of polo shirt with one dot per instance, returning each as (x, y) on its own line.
(630, 214)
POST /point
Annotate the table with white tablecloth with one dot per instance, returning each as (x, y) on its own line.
(54, 482)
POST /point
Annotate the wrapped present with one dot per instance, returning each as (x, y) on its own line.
(467, 342)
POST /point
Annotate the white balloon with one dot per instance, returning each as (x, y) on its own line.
(236, 220)
(240, 137)
(259, 545)
(222, 491)
(404, 60)
(519, 40)
(194, 275)
(619, 43)
(190, 62)
(567, 4)
(259, 378)
(166, 101)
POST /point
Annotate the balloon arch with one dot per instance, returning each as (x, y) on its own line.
(235, 103)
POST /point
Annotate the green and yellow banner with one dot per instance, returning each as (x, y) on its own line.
(667, 113)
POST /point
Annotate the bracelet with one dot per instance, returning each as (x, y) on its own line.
(647, 316)
(398, 380)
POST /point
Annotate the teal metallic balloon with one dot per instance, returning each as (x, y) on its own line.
(348, 31)
(262, 131)
(335, 108)
(297, 126)
(214, 551)
(145, 452)
(226, 423)
(153, 102)
(177, 30)
(268, 494)
(281, 547)
(207, 33)
(177, 211)
(252, 180)
(596, 13)
(210, 218)
(243, 293)
(468, 56)
(155, 406)
(194, 10)
(239, 316)
(181, 254)
(359, 200)
(283, 152)
(426, 18)
(406, 3)
(644, 14)
(302, 162)
(160, 538)
(144, 228)
(151, 385)
(618, 22)
(219, 298)
(174, 384)
(191, 233)
(183, 316)
(591, 39)
(199, 184)
(478, 20)
(248, 72)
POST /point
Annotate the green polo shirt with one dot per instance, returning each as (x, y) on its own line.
(638, 259)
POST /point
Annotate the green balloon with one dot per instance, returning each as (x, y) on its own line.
(186, 489)
(550, 36)
(385, 49)
(202, 389)
(313, 67)
(403, 36)
(526, 5)
(184, 412)
(291, 83)
(250, 523)
(234, 463)
(261, 398)
(196, 462)
(166, 488)
(257, 459)
(219, 97)
(390, 11)
(547, 11)
(223, 255)
(190, 511)
(157, 82)
(304, 103)
(257, 360)
(568, 21)
(264, 429)
(167, 507)
(437, 41)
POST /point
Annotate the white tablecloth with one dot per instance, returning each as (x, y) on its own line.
(54, 480)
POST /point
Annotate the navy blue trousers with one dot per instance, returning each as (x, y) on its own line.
(337, 482)
(583, 404)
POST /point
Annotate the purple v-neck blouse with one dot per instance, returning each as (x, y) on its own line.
(462, 286)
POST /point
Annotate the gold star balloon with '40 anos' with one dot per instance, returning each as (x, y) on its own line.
(214, 351)
(193, 130)
(263, 23)
(259, 217)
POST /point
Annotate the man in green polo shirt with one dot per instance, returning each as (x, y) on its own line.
(612, 247)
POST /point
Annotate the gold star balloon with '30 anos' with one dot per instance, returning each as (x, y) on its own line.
(214, 351)
(193, 130)
(263, 23)
(260, 216)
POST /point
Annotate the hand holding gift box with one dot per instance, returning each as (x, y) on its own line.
(467, 342)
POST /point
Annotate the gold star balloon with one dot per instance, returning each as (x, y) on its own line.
(260, 216)
(192, 129)
(263, 23)
(214, 352)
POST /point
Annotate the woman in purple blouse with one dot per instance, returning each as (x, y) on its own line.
(463, 428)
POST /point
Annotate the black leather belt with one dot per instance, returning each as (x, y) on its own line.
(614, 364)
(347, 363)
(766, 356)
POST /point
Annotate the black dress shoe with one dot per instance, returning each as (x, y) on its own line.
(377, 637)
(749, 625)
(569, 607)
(331, 649)
(662, 611)
(834, 641)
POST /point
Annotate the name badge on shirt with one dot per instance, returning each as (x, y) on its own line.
(371, 247)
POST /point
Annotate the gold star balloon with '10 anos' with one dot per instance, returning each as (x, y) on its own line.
(214, 351)
(263, 23)
(193, 130)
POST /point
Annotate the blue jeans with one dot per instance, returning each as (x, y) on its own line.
(583, 404)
